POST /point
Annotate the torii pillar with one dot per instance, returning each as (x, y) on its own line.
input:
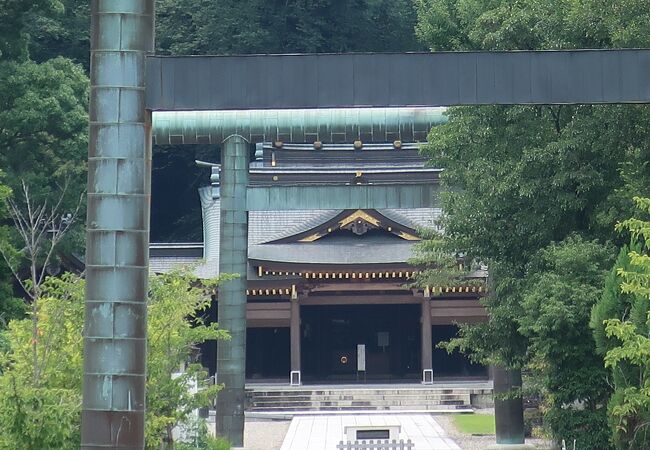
(117, 239)
(233, 259)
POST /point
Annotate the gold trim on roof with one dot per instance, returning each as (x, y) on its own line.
(408, 236)
(312, 237)
(359, 214)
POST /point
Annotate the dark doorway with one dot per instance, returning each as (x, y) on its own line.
(267, 353)
(454, 365)
(330, 335)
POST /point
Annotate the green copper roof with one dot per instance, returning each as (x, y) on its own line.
(297, 125)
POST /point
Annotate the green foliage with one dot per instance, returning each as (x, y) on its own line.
(45, 414)
(43, 126)
(203, 440)
(522, 178)
(14, 19)
(10, 307)
(65, 33)
(532, 24)
(625, 339)
(262, 26)
(38, 418)
(614, 304)
(438, 265)
(564, 281)
(43, 141)
(549, 172)
(175, 328)
(525, 177)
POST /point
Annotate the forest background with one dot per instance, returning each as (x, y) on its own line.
(542, 188)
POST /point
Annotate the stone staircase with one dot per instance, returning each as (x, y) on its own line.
(278, 399)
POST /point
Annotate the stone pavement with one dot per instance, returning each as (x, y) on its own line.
(325, 432)
(265, 434)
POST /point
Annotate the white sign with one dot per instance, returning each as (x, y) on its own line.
(361, 358)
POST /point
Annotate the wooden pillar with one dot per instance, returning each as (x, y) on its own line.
(295, 340)
(427, 354)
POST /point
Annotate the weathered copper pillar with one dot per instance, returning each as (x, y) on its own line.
(427, 352)
(509, 411)
(233, 259)
(117, 240)
(294, 333)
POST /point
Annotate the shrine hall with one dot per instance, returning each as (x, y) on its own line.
(326, 288)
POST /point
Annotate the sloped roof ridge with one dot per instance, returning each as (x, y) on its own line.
(297, 221)
(413, 218)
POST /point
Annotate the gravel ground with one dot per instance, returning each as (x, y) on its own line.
(470, 442)
(265, 434)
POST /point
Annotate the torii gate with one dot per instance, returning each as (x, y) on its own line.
(128, 83)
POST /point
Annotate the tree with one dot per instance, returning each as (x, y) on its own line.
(524, 178)
(40, 229)
(43, 127)
(47, 416)
(256, 26)
(535, 185)
(563, 283)
(14, 17)
(64, 33)
(10, 307)
(533, 24)
(175, 328)
(43, 141)
(621, 321)
(44, 415)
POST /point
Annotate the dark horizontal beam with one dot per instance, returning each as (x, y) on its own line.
(397, 79)
(378, 196)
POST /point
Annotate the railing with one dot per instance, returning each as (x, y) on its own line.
(376, 445)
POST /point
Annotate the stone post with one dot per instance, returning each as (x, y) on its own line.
(233, 259)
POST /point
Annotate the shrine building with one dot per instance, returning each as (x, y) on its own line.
(323, 283)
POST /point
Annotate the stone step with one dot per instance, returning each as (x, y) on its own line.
(414, 391)
(385, 401)
(417, 398)
(395, 402)
(360, 408)
(344, 395)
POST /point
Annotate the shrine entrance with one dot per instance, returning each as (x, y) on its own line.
(330, 336)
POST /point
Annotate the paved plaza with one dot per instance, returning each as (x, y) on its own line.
(325, 432)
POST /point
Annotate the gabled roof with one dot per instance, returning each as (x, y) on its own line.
(348, 219)
(273, 235)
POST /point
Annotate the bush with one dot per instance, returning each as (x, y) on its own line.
(209, 444)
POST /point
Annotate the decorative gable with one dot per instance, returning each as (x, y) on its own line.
(358, 222)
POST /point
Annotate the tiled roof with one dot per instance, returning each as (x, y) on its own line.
(267, 226)
(414, 218)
